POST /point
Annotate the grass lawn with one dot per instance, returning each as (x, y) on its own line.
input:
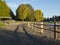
(2, 25)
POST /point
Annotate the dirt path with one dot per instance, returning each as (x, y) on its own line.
(18, 35)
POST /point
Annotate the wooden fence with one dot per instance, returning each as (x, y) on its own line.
(41, 27)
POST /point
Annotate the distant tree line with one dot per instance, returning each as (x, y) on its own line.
(57, 18)
(25, 12)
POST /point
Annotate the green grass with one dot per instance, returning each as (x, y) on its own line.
(2, 25)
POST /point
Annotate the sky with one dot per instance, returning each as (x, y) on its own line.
(48, 7)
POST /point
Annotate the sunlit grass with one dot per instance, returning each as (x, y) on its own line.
(2, 25)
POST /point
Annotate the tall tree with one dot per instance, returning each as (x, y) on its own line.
(38, 15)
(24, 11)
(5, 11)
(30, 16)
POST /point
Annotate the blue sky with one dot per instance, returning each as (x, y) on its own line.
(48, 7)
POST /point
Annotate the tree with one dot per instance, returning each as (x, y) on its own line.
(30, 16)
(0, 0)
(24, 11)
(38, 15)
(5, 11)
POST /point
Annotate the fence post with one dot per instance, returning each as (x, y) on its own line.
(42, 31)
(35, 25)
(28, 24)
(55, 28)
(32, 25)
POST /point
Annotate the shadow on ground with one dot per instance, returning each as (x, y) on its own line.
(8, 37)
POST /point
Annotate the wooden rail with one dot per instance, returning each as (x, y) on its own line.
(40, 26)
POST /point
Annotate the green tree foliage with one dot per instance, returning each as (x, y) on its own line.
(5, 11)
(0, 0)
(30, 16)
(24, 12)
(38, 15)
